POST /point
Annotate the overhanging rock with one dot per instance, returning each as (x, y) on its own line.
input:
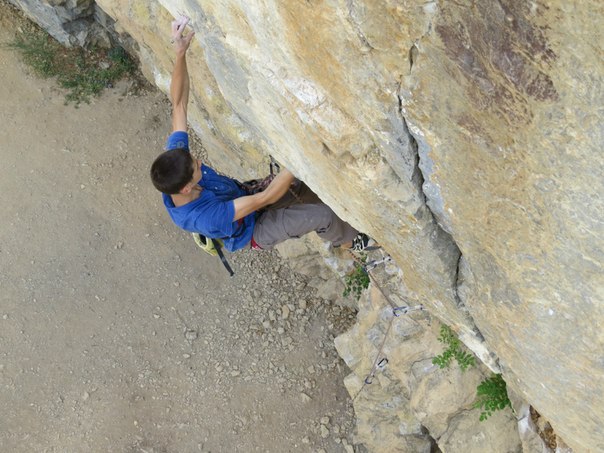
(503, 100)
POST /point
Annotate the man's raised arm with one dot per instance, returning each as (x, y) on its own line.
(179, 86)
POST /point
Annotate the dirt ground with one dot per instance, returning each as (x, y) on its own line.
(116, 333)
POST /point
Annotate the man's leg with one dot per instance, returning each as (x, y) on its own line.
(277, 225)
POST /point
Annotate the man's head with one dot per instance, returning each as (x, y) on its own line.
(175, 172)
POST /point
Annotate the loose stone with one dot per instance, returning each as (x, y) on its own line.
(324, 432)
(191, 335)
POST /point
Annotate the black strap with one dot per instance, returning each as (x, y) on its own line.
(222, 258)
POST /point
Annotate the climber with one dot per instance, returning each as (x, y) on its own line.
(201, 201)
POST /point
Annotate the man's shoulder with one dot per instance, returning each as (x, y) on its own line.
(207, 215)
(177, 140)
(207, 204)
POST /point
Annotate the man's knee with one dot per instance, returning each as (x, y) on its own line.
(325, 217)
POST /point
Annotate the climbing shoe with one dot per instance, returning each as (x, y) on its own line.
(363, 242)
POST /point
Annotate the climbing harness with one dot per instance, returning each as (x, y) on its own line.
(214, 246)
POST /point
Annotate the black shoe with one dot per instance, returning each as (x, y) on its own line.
(362, 242)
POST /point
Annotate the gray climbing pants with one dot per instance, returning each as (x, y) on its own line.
(294, 216)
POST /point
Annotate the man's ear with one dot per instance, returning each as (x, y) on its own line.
(186, 189)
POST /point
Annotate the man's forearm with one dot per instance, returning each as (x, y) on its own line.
(179, 86)
(277, 188)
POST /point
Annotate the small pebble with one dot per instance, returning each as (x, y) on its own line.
(324, 432)
(285, 312)
(191, 335)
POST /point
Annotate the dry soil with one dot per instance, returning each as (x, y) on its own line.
(116, 333)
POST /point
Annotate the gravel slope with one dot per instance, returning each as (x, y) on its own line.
(116, 333)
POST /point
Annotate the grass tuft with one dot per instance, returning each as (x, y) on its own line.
(83, 73)
(356, 282)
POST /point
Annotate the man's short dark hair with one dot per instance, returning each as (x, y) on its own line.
(172, 170)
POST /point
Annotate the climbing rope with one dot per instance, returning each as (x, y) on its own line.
(397, 311)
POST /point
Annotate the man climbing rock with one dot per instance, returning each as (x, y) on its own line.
(203, 202)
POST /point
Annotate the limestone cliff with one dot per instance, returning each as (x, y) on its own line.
(464, 136)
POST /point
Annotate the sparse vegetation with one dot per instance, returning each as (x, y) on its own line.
(356, 282)
(492, 395)
(453, 351)
(82, 72)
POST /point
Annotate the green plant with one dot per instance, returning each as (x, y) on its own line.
(453, 351)
(83, 73)
(38, 51)
(356, 282)
(492, 395)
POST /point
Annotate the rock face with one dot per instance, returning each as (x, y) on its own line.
(411, 403)
(71, 22)
(465, 137)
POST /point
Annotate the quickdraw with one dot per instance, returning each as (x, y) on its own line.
(375, 263)
(380, 366)
(397, 311)
(404, 309)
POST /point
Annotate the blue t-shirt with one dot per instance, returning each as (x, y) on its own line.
(212, 213)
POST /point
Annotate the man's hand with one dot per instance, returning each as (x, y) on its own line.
(276, 189)
(180, 42)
